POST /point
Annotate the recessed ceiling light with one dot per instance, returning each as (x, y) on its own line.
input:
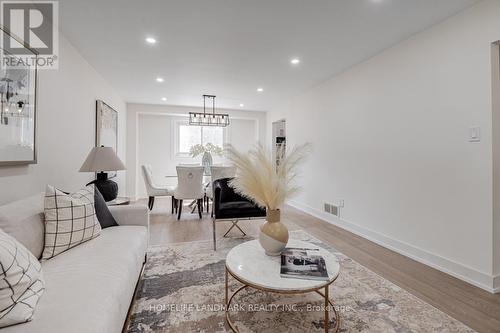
(164, 99)
(150, 40)
(159, 79)
(295, 61)
(242, 105)
(260, 89)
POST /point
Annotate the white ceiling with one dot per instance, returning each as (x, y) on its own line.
(231, 47)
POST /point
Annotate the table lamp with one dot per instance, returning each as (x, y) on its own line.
(100, 160)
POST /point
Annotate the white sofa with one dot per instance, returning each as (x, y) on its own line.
(88, 288)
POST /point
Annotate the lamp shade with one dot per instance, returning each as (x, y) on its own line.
(102, 159)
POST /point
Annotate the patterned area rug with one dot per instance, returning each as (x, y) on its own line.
(183, 291)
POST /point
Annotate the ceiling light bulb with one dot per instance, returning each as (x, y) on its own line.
(151, 40)
(164, 99)
(159, 79)
(295, 61)
(242, 105)
(260, 89)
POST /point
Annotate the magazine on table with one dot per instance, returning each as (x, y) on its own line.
(306, 264)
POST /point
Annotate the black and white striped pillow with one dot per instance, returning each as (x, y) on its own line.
(21, 282)
(70, 220)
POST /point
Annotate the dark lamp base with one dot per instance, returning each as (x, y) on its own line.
(107, 187)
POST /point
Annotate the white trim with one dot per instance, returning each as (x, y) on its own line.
(496, 284)
(460, 271)
(176, 124)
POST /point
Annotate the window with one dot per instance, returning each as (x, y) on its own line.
(189, 136)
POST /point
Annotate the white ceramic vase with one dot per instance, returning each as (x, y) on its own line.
(273, 235)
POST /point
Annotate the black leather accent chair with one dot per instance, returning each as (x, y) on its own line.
(230, 206)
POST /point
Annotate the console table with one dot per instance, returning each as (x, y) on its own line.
(119, 201)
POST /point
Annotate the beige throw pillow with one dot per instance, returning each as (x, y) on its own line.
(70, 220)
(21, 282)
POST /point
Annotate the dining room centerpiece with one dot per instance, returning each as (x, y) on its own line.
(268, 185)
(207, 151)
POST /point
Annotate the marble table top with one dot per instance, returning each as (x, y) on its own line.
(249, 263)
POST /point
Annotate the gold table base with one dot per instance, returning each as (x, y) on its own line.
(325, 295)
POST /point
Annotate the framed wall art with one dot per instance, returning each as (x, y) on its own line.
(18, 97)
(106, 127)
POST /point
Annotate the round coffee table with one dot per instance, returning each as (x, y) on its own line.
(248, 264)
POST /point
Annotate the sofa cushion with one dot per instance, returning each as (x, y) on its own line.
(70, 220)
(21, 282)
(239, 209)
(90, 287)
(23, 220)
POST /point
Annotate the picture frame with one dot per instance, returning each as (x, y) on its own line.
(106, 128)
(18, 108)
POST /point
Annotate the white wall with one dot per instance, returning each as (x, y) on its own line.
(390, 138)
(154, 148)
(65, 128)
(149, 140)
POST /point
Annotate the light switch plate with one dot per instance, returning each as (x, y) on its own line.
(475, 134)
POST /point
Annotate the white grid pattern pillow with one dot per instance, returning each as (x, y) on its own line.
(70, 220)
(21, 282)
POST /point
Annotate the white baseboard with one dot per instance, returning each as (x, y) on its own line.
(496, 284)
(460, 271)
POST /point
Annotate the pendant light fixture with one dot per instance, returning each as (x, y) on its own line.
(208, 119)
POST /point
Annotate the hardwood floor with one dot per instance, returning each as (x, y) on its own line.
(476, 308)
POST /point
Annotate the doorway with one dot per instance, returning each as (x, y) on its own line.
(279, 141)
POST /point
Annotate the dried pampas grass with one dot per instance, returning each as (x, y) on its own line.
(259, 180)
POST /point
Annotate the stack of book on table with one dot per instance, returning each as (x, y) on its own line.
(307, 264)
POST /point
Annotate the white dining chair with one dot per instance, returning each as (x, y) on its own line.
(189, 186)
(154, 190)
(217, 172)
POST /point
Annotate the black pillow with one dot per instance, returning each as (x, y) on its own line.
(102, 211)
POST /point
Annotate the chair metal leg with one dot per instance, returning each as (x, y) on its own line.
(228, 230)
(213, 231)
(200, 207)
(235, 224)
(179, 209)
